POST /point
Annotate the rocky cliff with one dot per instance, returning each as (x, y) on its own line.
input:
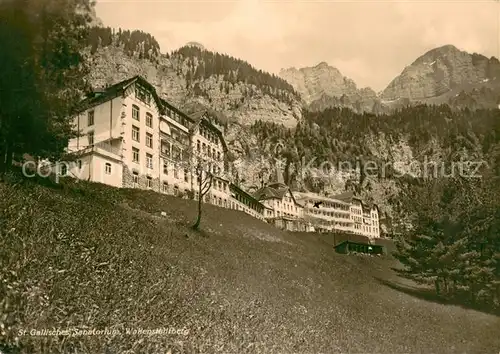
(443, 73)
(324, 86)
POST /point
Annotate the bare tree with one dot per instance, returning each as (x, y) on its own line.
(204, 181)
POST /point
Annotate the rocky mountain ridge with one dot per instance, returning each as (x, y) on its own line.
(442, 75)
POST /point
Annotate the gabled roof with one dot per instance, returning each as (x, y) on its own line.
(274, 191)
(116, 90)
(269, 193)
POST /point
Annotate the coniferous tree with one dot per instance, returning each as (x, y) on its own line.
(43, 75)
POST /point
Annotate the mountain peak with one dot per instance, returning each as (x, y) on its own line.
(440, 72)
(323, 64)
(195, 44)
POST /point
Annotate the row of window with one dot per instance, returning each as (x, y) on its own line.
(288, 206)
(136, 114)
(64, 168)
(365, 228)
(330, 213)
(179, 118)
(210, 136)
(335, 206)
(205, 149)
(279, 213)
(136, 154)
(136, 136)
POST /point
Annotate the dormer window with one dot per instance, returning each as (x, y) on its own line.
(142, 94)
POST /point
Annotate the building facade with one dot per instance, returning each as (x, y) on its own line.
(343, 213)
(131, 138)
(281, 207)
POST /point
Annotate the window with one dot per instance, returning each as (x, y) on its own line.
(149, 120)
(176, 172)
(165, 168)
(107, 168)
(149, 140)
(135, 133)
(204, 148)
(186, 175)
(135, 154)
(91, 138)
(218, 155)
(79, 164)
(165, 148)
(135, 178)
(176, 191)
(149, 161)
(135, 112)
(198, 145)
(213, 153)
(90, 118)
(165, 187)
(64, 170)
(209, 152)
(149, 182)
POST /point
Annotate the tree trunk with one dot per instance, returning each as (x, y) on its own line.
(8, 158)
(200, 198)
(437, 286)
(2, 160)
(5, 158)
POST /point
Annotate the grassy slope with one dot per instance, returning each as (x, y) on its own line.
(89, 255)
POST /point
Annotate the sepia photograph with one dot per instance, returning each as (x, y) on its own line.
(249, 176)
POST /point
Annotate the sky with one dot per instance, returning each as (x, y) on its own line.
(369, 41)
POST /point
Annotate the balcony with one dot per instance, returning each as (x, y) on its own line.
(176, 140)
(108, 148)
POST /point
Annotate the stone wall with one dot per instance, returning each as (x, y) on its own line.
(142, 180)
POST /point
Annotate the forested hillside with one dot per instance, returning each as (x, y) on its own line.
(133, 42)
(190, 74)
(392, 143)
(202, 64)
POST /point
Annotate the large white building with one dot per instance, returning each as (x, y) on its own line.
(131, 138)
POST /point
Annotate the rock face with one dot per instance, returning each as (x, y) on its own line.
(442, 71)
(436, 77)
(111, 65)
(324, 86)
(322, 79)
